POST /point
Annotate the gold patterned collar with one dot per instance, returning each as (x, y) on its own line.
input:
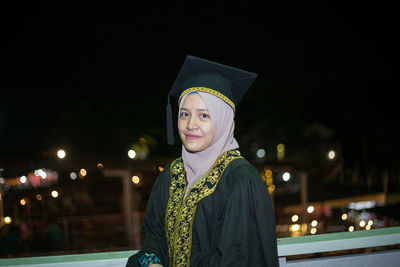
(180, 212)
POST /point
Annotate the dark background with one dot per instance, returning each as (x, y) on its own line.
(93, 76)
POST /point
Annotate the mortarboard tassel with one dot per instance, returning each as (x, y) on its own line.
(170, 129)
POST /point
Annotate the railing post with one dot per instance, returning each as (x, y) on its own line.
(66, 233)
(304, 192)
(127, 204)
(282, 261)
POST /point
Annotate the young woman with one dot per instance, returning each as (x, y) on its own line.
(209, 207)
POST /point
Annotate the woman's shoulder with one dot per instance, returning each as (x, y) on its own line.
(242, 171)
(165, 174)
(243, 166)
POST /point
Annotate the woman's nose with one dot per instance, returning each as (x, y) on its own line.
(191, 124)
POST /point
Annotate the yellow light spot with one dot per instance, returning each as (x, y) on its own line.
(310, 209)
(331, 154)
(294, 227)
(82, 173)
(22, 202)
(370, 222)
(160, 168)
(295, 218)
(313, 231)
(100, 166)
(351, 228)
(61, 153)
(280, 148)
(286, 176)
(362, 223)
(23, 179)
(38, 196)
(314, 223)
(54, 193)
(7, 220)
(344, 216)
(268, 173)
(135, 179)
(271, 188)
(368, 227)
(132, 154)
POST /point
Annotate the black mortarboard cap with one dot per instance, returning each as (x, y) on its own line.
(197, 74)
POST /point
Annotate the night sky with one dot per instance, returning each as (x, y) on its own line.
(93, 76)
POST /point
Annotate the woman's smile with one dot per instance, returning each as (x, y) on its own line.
(192, 136)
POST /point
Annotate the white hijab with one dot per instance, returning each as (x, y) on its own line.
(197, 164)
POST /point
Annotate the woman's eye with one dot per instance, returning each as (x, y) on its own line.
(204, 116)
(183, 114)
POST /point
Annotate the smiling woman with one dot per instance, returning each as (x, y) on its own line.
(209, 207)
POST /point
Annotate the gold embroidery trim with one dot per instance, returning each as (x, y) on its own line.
(180, 212)
(208, 90)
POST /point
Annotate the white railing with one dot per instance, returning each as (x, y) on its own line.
(291, 246)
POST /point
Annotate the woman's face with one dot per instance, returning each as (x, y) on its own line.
(194, 124)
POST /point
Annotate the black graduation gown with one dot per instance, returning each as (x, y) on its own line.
(232, 226)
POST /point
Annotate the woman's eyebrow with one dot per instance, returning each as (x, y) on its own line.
(199, 109)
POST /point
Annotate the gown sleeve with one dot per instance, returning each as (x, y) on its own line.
(248, 235)
(154, 241)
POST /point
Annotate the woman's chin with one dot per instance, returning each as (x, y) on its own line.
(193, 148)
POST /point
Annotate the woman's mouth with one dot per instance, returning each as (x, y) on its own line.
(192, 136)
